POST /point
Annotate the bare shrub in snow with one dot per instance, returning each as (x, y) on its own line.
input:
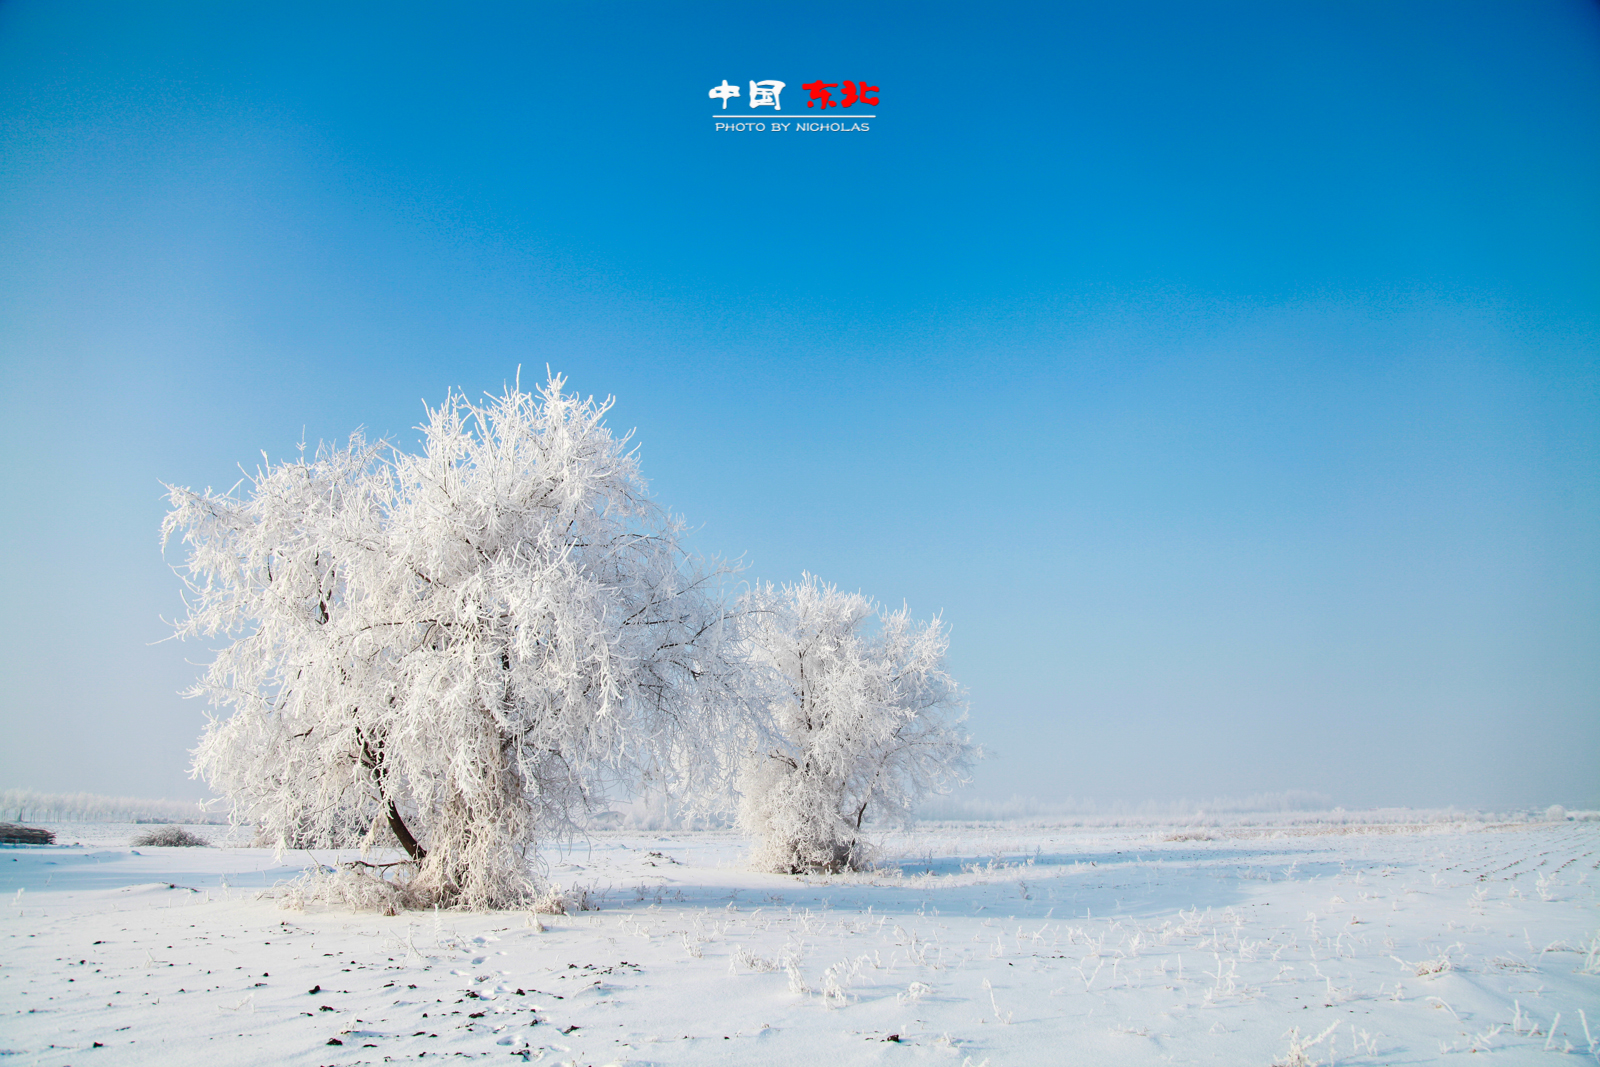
(13, 834)
(1193, 835)
(564, 900)
(169, 837)
(865, 718)
(358, 886)
(1299, 1054)
(456, 649)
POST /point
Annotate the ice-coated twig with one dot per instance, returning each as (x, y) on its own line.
(1299, 1048)
(1003, 1018)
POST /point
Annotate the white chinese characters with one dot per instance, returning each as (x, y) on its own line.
(762, 93)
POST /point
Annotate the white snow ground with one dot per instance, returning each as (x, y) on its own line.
(1392, 944)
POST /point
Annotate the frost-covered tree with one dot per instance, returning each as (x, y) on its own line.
(456, 648)
(866, 722)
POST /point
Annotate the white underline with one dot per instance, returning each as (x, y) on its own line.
(792, 114)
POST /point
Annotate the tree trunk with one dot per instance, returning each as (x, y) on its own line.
(403, 834)
(373, 761)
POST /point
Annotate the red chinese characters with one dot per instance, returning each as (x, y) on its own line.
(819, 91)
(854, 92)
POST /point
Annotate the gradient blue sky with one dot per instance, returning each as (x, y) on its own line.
(1226, 374)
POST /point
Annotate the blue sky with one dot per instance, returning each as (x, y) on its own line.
(1225, 374)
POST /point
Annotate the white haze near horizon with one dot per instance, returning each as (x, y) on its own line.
(73, 814)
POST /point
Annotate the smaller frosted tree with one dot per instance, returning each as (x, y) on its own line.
(865, 723)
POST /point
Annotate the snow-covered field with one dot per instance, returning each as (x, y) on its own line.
(1358, 944)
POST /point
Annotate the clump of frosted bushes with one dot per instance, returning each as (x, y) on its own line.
(169, 837)
(367, 886)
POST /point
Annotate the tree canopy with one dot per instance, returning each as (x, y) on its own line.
(866, 722)
(457, 647)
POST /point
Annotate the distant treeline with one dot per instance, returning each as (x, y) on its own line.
(25, 806)
(959, 808)
(1287, 809)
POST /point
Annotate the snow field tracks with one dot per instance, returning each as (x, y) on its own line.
(974, 944)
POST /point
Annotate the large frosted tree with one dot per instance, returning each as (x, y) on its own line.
(455, 649)
(864, 719)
